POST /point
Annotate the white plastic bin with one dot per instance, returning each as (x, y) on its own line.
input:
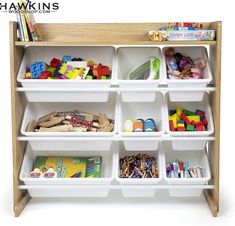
(130, 57)
(107, 168)
(194, 158)
(59, 144)
(34, 111)
(192, 106)
(144, 110)
(138, 191)
(99, 54)
(194, 52)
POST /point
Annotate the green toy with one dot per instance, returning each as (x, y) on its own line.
(149, 70)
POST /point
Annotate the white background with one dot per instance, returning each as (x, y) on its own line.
(117, 211)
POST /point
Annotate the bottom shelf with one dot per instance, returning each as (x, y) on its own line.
(103, 190)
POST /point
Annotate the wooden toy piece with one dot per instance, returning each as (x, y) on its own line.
(31, 126)
(47, 117)
(78, 129)
(89, 116)
(185, 118)
(195, 118)
(179, 110)
(52, 122)
(171, 125)
(180, 123)
(62, 128)
(107, 128)
(102, 118)
(190, 128)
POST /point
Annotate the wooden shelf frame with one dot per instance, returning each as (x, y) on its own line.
(106, 34)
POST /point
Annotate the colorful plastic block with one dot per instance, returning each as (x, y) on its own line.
(36, 69)
(89, 77)
(188, 113)
(190, 128)
(179, 110)
(204, 122)
(180, 128)
(171, 125)
(55, 62)
(200, 127)
(66, 58)
(175, 119)
(185, 118)
(57, 73)
(180, 123)
(73, 74)
(45, 75)
(77, 59)
(195, 118)
(172, 112)
(52, 70)
(28, 75)
(103, 77)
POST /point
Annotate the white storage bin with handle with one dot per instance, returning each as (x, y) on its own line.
(203, 105)
(194, 158)
(40, 185)
(99, 54)
(193, 52)
(129, 58)
(142, 110)
(34, 111)
(137, 192)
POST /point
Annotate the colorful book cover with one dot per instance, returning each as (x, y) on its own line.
(23, 20)
(182, 35)
(19, 25)
(70, 167)
(36, 36)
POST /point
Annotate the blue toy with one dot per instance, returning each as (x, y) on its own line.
(36, 69)
(66, 58)
(149, 125)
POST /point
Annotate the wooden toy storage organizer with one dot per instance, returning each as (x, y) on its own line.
(107, 34)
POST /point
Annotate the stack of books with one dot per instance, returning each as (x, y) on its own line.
(27, 27)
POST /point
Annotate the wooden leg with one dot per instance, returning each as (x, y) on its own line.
(211, 202)
(20, 205)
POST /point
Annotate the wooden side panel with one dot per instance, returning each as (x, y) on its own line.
(212, 196)
(20, 197)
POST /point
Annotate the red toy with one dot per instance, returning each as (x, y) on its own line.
(185, 118)
(55, 62)
(45, 75)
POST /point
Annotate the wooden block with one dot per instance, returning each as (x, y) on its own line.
(63, 128)
(47, 117)
(52, 122)
(31, 126)
(94, 116)
(78, 129)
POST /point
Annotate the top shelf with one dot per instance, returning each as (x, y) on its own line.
(73, 34)
(103, 43)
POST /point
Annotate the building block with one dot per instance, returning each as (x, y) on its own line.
(66, 58)
(200, 127)
(185, 118)
(103, 70)
(179, 110)
(180, 123)
(37, 68)
(195, 118)
(73, 74)
(89, 77)
(180, 128)
(57, 73)
(55, 62)
(52, 70)
(77, 59)
(103, 77)
(172, 112)
(204, 122)
(175, 119)
(188, 113)
(190, 128)
(27, 75)
(171, 125)
(45, 75)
